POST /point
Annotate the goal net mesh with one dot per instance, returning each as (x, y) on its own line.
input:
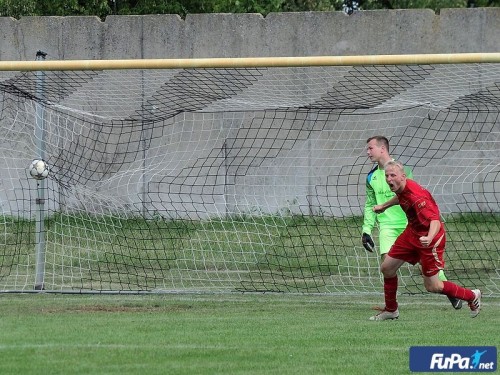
(239, 180)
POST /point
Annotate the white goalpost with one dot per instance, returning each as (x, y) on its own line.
(239, 175)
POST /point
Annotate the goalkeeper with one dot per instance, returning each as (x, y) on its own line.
(392, 222)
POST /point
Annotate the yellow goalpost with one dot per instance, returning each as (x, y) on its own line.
(250, 62)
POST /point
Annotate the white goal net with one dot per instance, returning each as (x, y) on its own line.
(248, 179)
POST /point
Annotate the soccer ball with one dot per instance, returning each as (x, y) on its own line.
(39, 169)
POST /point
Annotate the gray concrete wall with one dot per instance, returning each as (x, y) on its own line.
(246, 35)
(298, 180)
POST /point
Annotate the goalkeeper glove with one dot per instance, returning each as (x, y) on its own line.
(368, 242)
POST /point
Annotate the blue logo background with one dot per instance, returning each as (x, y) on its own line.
(453, 358)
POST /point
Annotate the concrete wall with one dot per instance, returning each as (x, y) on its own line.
(303, 182)
(242, 35)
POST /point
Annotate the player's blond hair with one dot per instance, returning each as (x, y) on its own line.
(395, 164)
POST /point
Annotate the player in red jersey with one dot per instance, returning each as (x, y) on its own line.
(422, 241)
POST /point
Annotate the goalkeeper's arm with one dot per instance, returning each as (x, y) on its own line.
(369, 218)
(368, 243)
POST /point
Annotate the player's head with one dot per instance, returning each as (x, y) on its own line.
(377, 149)
(395, 175)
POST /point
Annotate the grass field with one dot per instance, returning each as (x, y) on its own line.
(295, 253)
(227, 333)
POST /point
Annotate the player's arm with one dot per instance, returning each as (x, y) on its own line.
(428, 211)
(379, 208)
(434, 227)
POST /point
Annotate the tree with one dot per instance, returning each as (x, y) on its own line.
(436, 5)
(103, 8)
(19, 8)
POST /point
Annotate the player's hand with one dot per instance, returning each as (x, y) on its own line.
(368, 243)
(425, 241)
(378, 209)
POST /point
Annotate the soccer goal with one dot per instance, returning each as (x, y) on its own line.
(238, 175)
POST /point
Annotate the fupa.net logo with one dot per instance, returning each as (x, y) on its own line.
(453, 358)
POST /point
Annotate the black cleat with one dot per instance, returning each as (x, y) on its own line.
(455, 302)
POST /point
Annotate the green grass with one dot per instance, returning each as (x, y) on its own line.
(260, 253)
(227, 334)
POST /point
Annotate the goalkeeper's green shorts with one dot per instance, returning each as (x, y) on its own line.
(386, 237)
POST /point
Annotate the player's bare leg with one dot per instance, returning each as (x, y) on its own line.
(473, 297)
(455, 302)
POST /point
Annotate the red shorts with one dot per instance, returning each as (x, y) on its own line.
(407, 247)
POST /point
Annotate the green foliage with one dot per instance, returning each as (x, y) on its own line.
(103, 8)
(247, 6)
(19, 8)
(435, 5)
(311, 5)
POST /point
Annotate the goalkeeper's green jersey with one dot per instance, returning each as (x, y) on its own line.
(378, 192)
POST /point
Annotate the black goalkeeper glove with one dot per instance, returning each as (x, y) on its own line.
(368, 242)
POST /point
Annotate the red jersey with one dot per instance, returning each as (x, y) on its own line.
(419, 207)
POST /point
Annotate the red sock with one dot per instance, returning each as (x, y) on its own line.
(453, 290)
(390, 291)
